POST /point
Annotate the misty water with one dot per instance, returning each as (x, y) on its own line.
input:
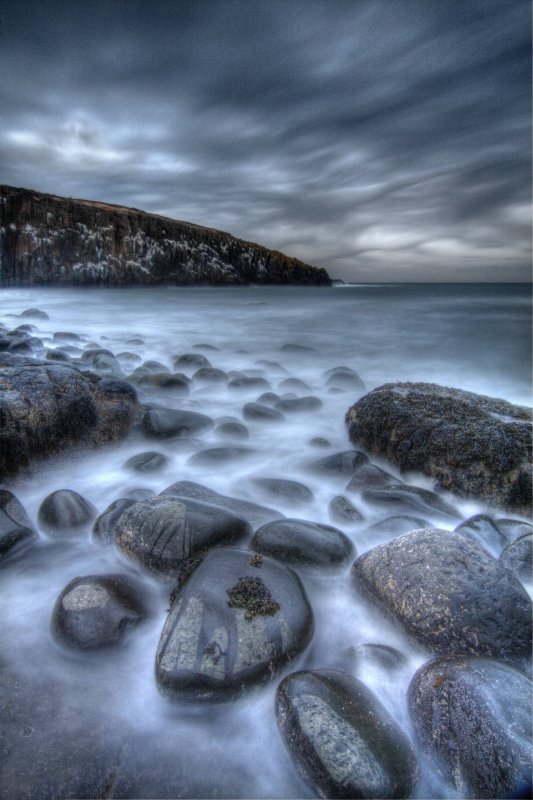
(97, 722)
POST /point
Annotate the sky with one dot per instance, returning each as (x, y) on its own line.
(385, 140)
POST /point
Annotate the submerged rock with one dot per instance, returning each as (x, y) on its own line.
(401, 497)
(15, 525)
(294, 405)
(95, 611)
(65, 511)
(164, 422)
(484, 530)
(237, 621)
(343, 511)
(475, 446)
(150, 461)
(261, 413)
(255, 514)
(291, 491)
(159, 533)
(104, 525)
(473, 716)
(299, 541)
(518, 558)
(370, 476)
(232, 430)
(343, 741)
(344, 378)
(345, 463)
(220, 455)
(449, 594)
(396, 525)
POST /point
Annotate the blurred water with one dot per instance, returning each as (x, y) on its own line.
(471, 337)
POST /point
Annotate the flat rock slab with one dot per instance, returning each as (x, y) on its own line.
(46, 407)
(342, 739)
(160, 533)
(449, 594)
(473, 715)
(236, 622)
(476, 446)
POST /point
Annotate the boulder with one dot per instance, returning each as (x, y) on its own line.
(104, 525)
(485, 530)
(196, 360)
(343, 741)
(220, 455)
(344, 378)
(165, 422)
(95, 611)
(400, 497)
(343, 511)
(147, 462)
(232, 430)
(396, 525)
(518, 558)
(65, 511)
(209, 375)
(449, 594)
(370, 476)
(476, 446)
(284, 490)
(345, 463)
(261, 413)
(248, 383)
(15, 525)
(46, 407)
(299, 541)
(294, 405)
(473, 716)
(294, 385)
(165, 380)
(236, 622)
(159, 533)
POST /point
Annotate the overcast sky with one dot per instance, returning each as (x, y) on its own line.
(381, 139)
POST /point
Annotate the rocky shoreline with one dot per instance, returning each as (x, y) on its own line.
(237, 571)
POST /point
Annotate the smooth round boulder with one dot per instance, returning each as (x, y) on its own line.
(196, 360)
(343, 741)
(369, 476)
(261, 413)
(236, 622)
(518, 558)
(343, 511)
(95, 611)
(294, 385)
(165, 380)
(232, 430)
(449, 594)
(401, 497)
(287, 491)
(473, 716)
(209, 375)
(64, 511)
(150, 461)
(220, 455)
(248, 383)
(16, 529)
(299, 541)
(295, 405)
(104, 525)
(159, 533)
(166, 422)
(36, 313)
(344, 378)
(345, 463)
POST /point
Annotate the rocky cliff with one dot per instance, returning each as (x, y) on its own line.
(49, 240)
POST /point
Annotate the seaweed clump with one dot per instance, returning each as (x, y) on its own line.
(252, 595)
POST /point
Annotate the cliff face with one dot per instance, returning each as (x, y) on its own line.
(49, 240)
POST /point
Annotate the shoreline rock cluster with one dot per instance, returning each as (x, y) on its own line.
(240, 614)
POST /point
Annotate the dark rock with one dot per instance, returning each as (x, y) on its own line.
(67, 336)
(163, 422)
(369, 476)
(146, 462)
(484, 530)
(287, 491)
(401, 497)
(64, 511)
(252, 512)
(449, 594)
(155, 367)
(104, 526)
(344, 742)
(245, 382)
(319, 441)
(191, 360)
(294, 405)
(343, 511)
(299, 541)
(47, 407)
(235, 622)
(473, 715)
(135, 340)
(268, 398)
(57, 355)
(220, 455)
(518, 558)
(16, 529)
(294, 385)
(344, 378)
(161, 532)
(36, 313)
(209, 375)
(272, 366)
(396, 525)
(475, 446)
(345, 463)
(297, 348)
(232, 430)
(205, 346)
(164, 380)
(261, 413)
(95, 611)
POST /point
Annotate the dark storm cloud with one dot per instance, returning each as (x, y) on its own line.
(387, 139)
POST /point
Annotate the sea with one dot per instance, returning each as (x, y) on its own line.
(80, 723)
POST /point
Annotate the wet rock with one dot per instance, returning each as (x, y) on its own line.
(209, 375)
(382, 655)
(220, 455)
(146, 462)
(66, 336)
(104, 525)
(245, 382)
(513, 529)
(255, 514)
(64, 511)
(473, 716)
(46, 407)
(95, 611)
(159, 533)
(369, 476)
(205, 346)
(236, 622)
(294, 385)
(273, 366)
(155, 367)
(295, 405)
(343, 741)
(396, 525)
(449, 594)
(484, 530)
(297, 348)
(36, 313)
(344, 378)
(232, 430)
(401, 497)
(261, 413)
(163, 422)
(177, 382)
(57, 355)
(196, 360)
(287, 491)
(345, 463)
(299, 541)
(518, 558)
(343, 511)
(472, 445)
(319, 441)
(268, 398)
(16, 529)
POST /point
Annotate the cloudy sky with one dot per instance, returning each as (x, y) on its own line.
(381, 139)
